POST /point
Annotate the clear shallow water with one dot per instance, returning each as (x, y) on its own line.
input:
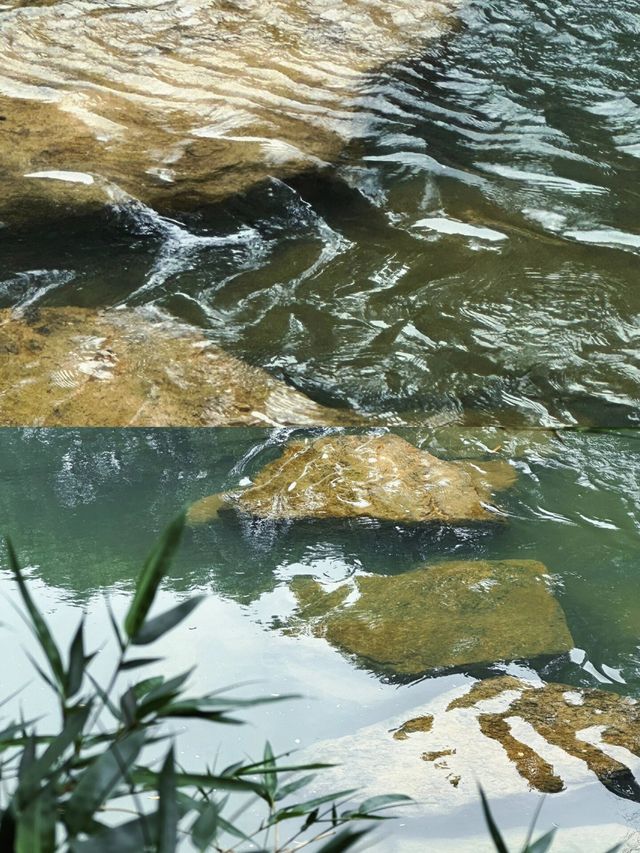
(103, 495)
(475, 247)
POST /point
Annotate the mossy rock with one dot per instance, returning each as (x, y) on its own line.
(81, 367)
(450, 615)
(372, 476)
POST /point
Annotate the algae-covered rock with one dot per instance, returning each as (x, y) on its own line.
(177, 103)
(372, 476)
(79, 367)
(448, 615)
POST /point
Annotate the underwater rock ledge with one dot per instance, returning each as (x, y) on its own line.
(443, 616)
(80, 367)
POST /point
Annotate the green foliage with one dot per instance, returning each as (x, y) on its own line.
(541, 845)
(66, 790)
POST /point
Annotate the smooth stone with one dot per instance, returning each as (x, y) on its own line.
(378, 476)
(451, 614)
(81, 367)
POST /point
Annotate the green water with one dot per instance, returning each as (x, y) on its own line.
(474, 251)
(521, 125)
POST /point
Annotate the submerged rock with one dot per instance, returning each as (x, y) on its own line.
(372, 476)
(79, 367)
(448, 615)
(179, 103)
(515, 737)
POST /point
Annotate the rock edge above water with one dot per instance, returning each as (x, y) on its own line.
(182, 103)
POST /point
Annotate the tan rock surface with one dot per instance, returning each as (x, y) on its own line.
(448, 615)
(373, 476)
(79, 367)
(186, 101)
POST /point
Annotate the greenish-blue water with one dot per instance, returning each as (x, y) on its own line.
(102, 496)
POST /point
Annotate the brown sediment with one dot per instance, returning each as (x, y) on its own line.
(80, 367)
(416, 724)
(439, 753)
(448, 615)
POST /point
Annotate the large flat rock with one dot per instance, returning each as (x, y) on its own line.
(448, 615)
(183, 102)
(80, 367)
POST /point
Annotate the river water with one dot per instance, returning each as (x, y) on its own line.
(468, 260)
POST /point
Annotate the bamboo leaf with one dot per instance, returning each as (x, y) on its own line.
(105, 698)
(129, 707)
(7, 735)
(167, 807)
(143, 687)
(155, 628)
(39, 625)
(496, 837)
(7, 830)
(130, 837)
(35, 773)
(114, 625)
(77, 663)
(43, 675)
(28, 756)
(148, 779)
(300, 809)
(134, 663)
(543, 843)
(99, 779)
(269, 778)
(162, 694)
(205, 828)
(312, 817)
(342, 842)
(385, 801)
(292, 787)
(36, 826)
(155, 568)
